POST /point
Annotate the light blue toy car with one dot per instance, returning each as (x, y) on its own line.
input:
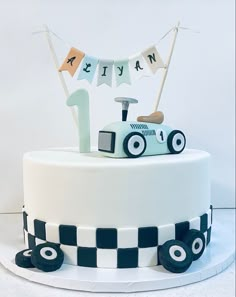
(135, 139)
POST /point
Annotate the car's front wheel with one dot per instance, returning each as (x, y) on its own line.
(134, 145)
(176, 141)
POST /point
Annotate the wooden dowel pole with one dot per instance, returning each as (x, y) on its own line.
(176, 29)
(62, 80)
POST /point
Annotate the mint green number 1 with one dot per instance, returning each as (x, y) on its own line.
(80, 98)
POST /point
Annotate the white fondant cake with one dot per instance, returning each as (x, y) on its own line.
(67, 187)
(114, 212)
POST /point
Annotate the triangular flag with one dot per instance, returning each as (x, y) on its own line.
(153, 59)
(122, 72)
(72, 61)
(88, 68)
(105, 70)
(138, 67)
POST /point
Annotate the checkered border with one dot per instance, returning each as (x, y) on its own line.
(111, 247)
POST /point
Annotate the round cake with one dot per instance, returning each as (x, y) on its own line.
(114, 213)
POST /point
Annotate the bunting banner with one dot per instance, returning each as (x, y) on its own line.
(110, 72)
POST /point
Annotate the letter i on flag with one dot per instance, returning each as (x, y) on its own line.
(88, 68)
(72, 61)
(105, 70)
(153, 59)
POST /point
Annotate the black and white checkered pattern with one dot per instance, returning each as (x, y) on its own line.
(111, 247)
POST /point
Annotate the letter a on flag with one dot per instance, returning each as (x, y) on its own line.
(72, 61)
(138, 67)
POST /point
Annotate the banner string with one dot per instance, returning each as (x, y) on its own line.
(53, 33)
(186, 28)
(69, 46)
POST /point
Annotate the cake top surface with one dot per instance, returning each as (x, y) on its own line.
(71, 157)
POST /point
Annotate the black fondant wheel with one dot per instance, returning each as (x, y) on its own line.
(134, 145)
(196, 241)
(176, 141)
(175, 256)
(47, 257)
(23, 259)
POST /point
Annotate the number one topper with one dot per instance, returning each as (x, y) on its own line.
(80, 98)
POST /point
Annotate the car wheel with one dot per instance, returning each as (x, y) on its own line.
(47, 257)
(196, 241)
(176, 141)
(175, 256)
(23, 259)
(134, 145)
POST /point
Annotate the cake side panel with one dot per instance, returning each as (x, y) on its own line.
(117, 196)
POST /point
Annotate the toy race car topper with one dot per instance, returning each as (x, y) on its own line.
(145, 137)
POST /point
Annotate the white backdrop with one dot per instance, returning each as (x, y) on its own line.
(198, 96)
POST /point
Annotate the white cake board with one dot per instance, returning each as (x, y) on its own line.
(218, 256)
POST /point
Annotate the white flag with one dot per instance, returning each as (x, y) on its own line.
(105, 71)
(138, 67)
(153, 59)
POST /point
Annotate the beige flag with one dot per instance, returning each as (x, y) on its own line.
(153, 59)
(72, 61)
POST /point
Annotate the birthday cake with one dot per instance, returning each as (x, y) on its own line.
(141, 199)
(116, 213)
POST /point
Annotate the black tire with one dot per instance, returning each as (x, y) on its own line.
(175, 256)
(47, 257)
(23, 259)
(134, 145)
(176, 141)
(196, 241)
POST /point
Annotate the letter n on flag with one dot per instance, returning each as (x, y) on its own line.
(153, 59)
(72, 61)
